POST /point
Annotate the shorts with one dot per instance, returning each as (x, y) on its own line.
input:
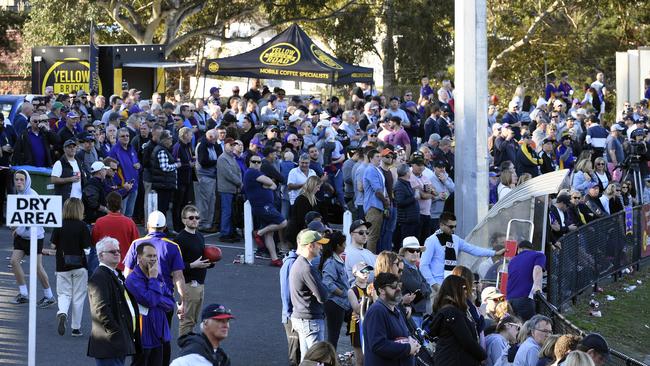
(268, 215)
(23, 244)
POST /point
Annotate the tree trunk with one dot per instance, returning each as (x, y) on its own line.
(388, 49)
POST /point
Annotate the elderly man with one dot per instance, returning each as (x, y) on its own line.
(528, 353)
(413, 282)
(114, 315)
(204, 349)
(206, 171)
(229, 183)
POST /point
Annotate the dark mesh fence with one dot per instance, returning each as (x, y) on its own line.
(562, 325)
(599, 249)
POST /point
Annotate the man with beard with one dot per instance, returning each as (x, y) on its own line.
(385, 334)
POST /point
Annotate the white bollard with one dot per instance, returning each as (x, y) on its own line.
(249, 255)
(347, 221)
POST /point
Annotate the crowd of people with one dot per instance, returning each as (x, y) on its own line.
(301, 162)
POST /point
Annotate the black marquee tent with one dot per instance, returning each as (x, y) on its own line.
(291, 55)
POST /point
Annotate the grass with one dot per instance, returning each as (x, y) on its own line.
(625, 322)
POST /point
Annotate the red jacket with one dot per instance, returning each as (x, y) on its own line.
(119, 227)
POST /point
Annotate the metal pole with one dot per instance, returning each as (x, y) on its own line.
(33, 277)
(249, 257)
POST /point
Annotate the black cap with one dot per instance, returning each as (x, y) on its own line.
(357, 223)
(439, 164)
(525, 244)
(596, 342)
(168, 105)
(69, 142)
(85, 136)
(311, 215)
(216, 311)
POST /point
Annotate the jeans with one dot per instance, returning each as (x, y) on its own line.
(117, 361)
(164, 199)
(387, 229)
(523, 307)
(92, 261)
(226, 213)
(310, 331)
(183, 195)
(71, 287)
(425, 228)
(206, 192)
(336, 180)
(128, 203)
(334, 315)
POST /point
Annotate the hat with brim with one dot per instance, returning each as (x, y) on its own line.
(490, 293)
(411, 242)
(361, 266)
(216, 311)
(310, 236)
(358, 223)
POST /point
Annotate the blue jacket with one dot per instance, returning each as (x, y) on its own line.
(285, 295)
(126, 158)
(373, 181)
(154, 299)
(383, 331)
(334, 276)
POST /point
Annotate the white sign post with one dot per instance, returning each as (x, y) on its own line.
(33, 211)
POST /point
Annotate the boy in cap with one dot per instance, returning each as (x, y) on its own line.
(356, 294)
(596, 347)
(356, 251)
(205, 348)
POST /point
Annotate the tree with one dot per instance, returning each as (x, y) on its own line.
(10, 21)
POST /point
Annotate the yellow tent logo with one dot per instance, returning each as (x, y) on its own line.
(280, 54)
(69, 76)
(324, 58)
(213, 67)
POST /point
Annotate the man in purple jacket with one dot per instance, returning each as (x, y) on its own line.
(154, 300)
(129, 168)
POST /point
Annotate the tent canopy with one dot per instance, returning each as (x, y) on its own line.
(291, 55)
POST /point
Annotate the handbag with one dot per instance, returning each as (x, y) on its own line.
(70, 260)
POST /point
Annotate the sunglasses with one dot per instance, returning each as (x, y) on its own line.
(394, 286)
(256, 161)
(413, 250)
(450, 226)
(575, 198)
(114, 252)
(361, 232)
(193, 217)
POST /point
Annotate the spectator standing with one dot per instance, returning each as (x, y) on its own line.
(67, 176)
(293, 343)
(335, 280)
(525, 273)
(356, 251)
(408, 208)
(614, 150)
(307, 292)
(442, 248)
(205, 348)
(184, 193)
(527, 160)
(442, 186)
(114, 225)
(71, 240)
(23, 119)
(94, 195)
(229, 182)
(163, 172)
(129, 168)
(148, 289)
(413, 281)
(113, 335)
(87, 154)
(21, 235)
(528, 352)
(385, 333)
(304, 203)
(192, 244)
(375, 198)
(458, 340)
(357, 295)
(259, 191)
(147, 159)
(423, 194)
(207, 153)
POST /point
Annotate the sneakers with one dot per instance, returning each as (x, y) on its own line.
(45, 302)
(262, 254)
(21, 299)
(276, 263)
(259, 240)
(61, 318)
(76, 333)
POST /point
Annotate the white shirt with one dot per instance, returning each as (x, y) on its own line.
(57, 170)
(296, 176)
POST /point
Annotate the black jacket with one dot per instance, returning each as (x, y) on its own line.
(527, 161)
(548, 164)
(23, 148)
(64, 189)
(408, 209)
(457, 338)
(112, 332)
(199, 344)
(93, 197)
(147, 151)
(159, 178)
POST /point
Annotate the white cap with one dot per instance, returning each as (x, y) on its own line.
(156, 219)
(541, 102)
(512, 104)
(97, 166)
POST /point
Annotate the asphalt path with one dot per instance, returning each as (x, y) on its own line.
(250, 291)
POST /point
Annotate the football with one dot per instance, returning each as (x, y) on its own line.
(212, 253)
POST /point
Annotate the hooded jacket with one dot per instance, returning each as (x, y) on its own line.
(196, 350)
(458, 342)
(23, 231)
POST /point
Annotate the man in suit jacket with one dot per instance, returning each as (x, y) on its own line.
(113, 335)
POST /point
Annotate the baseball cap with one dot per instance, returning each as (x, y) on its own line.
(317, 226)
(357, 223)
(157, 219)
(72, 114)
(434, 137)
(81, 93)
(216, 311)
(592, 185)
(272, 98)
(525, 244)
(85, 136)
(372, 131)
(228, 141)
(315, 101)
(596, 342)
(616, 127)
(311, 216)
(97, 166)
(410, 103)
(57, 105)
(439, 164)
(642, 119)
(310, 236)
(362, 266)
(134, 91)
(69, 142)
(444, 108)
(386, 152)
(213, 89)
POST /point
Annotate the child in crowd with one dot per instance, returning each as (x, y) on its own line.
(356, 295)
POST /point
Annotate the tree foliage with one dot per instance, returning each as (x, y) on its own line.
(10, 20)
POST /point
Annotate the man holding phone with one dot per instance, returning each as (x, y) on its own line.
(413, 281)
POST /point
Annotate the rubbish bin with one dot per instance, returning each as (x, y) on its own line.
(41, 181)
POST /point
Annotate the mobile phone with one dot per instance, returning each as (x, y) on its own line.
(418, 296)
